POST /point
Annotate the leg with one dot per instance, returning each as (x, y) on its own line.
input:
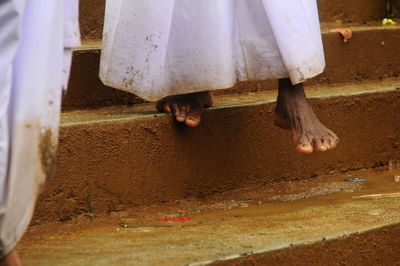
(11, 259)
(294, 113)
(186, 107)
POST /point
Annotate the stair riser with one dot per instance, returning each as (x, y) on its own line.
(111, 166)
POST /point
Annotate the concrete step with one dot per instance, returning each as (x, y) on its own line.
(113, 158)
(321, 221)
(371, 54)
(345, 11)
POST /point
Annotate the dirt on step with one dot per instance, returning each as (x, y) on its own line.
(378, 247)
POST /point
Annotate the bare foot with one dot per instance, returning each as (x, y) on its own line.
(11, 259)
(186, 107)
(294, 113)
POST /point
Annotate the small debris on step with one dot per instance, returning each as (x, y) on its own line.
(397, 178)
(131, 225)
(375, 212)
(388, 21)
(246, 253)
(355, 179)
(345, 33)
(244, 205)
(177, 219)
(91, 215)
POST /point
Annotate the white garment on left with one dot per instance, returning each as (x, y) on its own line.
(10, 20)
(38, 69)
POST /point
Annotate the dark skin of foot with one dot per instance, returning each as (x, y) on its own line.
(295, 114)
(186, 108)
(11, 259)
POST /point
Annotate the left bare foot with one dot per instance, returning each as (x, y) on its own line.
(293, 113)
(186, 107)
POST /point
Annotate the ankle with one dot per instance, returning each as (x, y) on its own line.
(284, 83)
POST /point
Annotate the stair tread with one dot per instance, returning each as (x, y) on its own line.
(325, 28)
(147, 111)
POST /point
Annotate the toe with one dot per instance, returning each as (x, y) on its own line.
(193, 118)
(333, 140)
(320, 144)
(163, 107)
(181, 116)
(159, 106)
(174, 109)
(192, 121)
(304, 145)
(167, 108)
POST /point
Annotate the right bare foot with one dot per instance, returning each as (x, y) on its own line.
(295, 114)
(186, 107)
(11, 259)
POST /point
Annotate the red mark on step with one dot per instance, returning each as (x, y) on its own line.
(178, 219)
(345, 33)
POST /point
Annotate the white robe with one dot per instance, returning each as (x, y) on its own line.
(156, 48)
(34, 67)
